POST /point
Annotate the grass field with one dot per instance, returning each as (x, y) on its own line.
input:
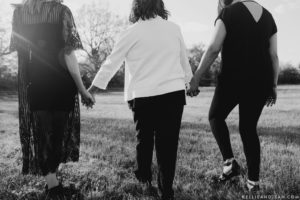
(108, 149)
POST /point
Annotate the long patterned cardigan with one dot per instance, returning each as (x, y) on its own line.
(27, 119)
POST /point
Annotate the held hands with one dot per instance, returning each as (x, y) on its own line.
(272, 98)
(87, 99)
(193, 89)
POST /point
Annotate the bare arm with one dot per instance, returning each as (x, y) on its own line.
(274, 58)
(212, 51)
(73, 68)
(272, 98)
(209, 57)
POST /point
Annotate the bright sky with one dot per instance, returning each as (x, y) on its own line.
(196, 18)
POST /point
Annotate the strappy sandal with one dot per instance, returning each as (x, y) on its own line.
(251, 187)
(235, 171)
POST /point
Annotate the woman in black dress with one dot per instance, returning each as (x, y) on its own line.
(45, 37)
(246, 34)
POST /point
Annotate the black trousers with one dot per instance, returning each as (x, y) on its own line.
(50, 130)
(251, 101)
(158, 121)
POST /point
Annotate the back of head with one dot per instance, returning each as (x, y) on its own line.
(34, 6)
(223, 3)
(147, 9)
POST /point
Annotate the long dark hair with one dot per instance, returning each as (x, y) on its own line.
(147, 9)
(223, 3)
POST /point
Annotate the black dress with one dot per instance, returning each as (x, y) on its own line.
(246, 61)
(44, 82)
(246, 80)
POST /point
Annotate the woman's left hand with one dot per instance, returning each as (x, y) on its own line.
(194, 88)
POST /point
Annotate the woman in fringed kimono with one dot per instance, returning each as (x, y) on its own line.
(45, 37)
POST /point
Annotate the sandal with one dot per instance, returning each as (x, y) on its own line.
(234, 171)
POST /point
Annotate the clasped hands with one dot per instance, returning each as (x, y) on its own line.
(193, 91)
(193, 88)
(88, 97)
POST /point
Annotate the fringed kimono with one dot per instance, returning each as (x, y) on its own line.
(57, 19)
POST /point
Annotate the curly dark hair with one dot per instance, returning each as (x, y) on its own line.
(147, 9)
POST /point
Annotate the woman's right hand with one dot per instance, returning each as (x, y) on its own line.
(193, 89)
(87, 99)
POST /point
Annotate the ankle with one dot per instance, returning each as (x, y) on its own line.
(51, 180)
(229, 161)
(252, 184)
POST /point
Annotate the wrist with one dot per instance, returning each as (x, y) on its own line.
(82, 91)
(196, 81)
(187, 86)
(93, 89)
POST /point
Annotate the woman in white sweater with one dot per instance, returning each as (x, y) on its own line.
(156, 71)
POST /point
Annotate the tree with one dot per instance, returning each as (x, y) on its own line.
(3, 42)
(4, 37)
(289, 75)
(8, 62)
(195, 56)
(98, 28)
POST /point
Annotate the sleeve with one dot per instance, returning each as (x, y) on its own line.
(14, 39)
(70, 34)
(184, 61)
(224, 16)
(274, 27)
(114, 61)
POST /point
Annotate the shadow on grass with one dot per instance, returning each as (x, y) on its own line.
(69, 193)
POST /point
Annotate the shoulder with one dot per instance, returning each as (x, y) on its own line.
(128, 32)
(229, 8)
(232, 9)
(17, 13)
(17, 8)
(131, 28)
(172, 26)
(63, 8)
(230, 13)
(268, 13)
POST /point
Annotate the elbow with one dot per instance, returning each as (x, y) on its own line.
(274, 58)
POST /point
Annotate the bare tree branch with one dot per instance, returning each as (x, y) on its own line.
(98, 27)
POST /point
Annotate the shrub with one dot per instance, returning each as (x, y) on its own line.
(8, 79)
(289, 75)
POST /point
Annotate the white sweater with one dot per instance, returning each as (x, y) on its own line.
(155, 58)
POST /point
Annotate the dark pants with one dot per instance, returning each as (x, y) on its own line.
(158, 121)
(251, 102)
(50, 130)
